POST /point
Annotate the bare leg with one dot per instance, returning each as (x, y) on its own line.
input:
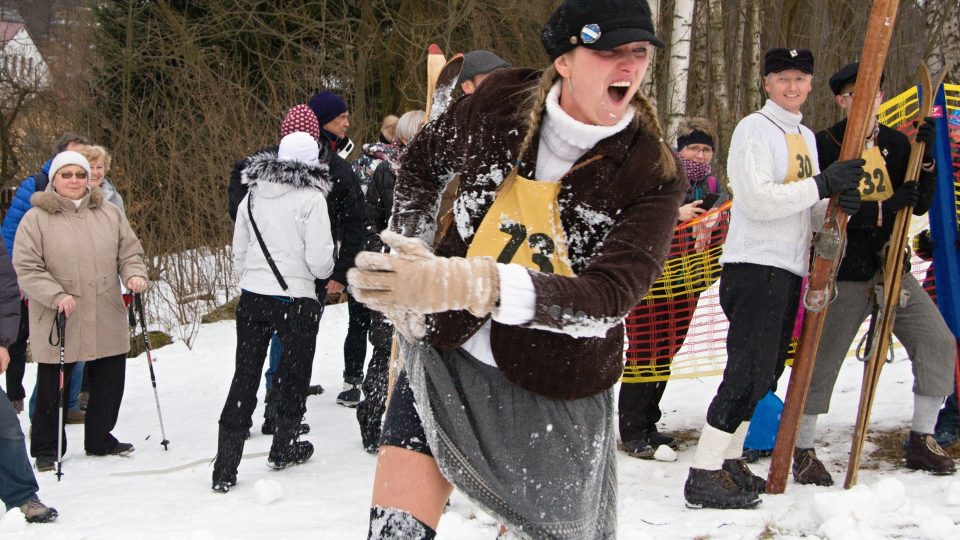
(410, 481)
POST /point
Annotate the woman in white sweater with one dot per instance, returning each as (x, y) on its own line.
(281, 246)
(778, 201)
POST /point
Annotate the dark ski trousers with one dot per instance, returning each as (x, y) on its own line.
(107, 377)
(17, 482)
(663, 327)
(258, 318)
(18, 357)
(370, 410)
(761, 304)
(355, 344)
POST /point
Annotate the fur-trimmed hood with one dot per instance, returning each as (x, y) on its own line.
(265, 168)
(52, 203)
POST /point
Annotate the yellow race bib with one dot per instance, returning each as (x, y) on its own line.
(523, 227)
(875, 184)
(800, 165)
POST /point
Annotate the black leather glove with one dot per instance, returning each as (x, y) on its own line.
(906, 195)
(849, 201)
(927, 134)
(839, 176)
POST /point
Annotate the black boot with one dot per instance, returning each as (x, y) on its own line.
(395, 524)
(716, 489)
(286, 450)
(229, 453)
(808, 469)
(743, 476)
(269, 426)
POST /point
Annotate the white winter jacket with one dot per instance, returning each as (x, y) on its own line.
(289, 206)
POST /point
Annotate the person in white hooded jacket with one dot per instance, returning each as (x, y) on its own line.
(284, 215)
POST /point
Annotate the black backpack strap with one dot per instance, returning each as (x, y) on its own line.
(263, 246)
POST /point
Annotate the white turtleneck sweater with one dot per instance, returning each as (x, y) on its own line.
(771, 223)
(563, 141)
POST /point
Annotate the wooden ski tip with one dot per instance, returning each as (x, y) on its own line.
(434, 49)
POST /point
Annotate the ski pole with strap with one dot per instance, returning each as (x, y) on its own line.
(61, 332)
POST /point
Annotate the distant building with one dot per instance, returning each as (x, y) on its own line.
(22, 64)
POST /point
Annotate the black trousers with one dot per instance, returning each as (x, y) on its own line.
(761, 304)
(18, 357)
(107, 377)
(258, 318)
(355, 344)
(663, 326)
(370, 410)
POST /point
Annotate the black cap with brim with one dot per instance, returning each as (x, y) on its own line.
(599, 25)
(781, 59)
(846, 75)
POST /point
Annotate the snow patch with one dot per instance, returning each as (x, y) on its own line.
(13, 521)
(665, 453)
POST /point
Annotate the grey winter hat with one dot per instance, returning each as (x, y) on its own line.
(598, 24)
(479, 62)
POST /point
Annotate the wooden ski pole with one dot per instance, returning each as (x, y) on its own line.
(830, 242)
(892, 281)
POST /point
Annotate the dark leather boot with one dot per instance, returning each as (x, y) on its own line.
(394, 523)
(716, 489)
(743, 476)
(923, 453)
(808, 469)
(229, 453)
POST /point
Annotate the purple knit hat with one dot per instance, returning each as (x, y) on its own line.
(327, 106)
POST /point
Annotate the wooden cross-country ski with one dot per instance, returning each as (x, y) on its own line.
(830, 242)
(887, 306)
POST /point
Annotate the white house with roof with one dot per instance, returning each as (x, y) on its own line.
(22, 63)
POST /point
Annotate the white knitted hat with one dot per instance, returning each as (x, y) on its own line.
(299, 146)
(69, 157)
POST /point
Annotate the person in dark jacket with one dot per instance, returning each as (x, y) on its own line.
(885, 190)
(334, 119)
(18, 207)
(379, 199)
(507, 390)
(18, 485)
(662, 320)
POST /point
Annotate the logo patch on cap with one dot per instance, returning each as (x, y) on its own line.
(590, 33)
(793, 53)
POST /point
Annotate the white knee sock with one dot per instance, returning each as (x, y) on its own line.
(735, 446)
(925, 411)
(711, 447)
(808, 431)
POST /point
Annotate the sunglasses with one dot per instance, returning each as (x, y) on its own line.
(66, 175)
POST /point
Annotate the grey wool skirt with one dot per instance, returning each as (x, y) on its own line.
(545, 468)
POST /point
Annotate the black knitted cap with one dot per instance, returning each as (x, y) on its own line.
(781, 59)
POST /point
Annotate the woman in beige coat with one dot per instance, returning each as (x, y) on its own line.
(71, 251)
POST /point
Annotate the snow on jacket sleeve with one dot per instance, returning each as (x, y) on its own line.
(18, 208)
(9, 302)
(318, 240)
(762, 197)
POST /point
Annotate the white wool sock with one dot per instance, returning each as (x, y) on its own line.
(808, 431)
(735, 446)
(925, 411)
(710, 448)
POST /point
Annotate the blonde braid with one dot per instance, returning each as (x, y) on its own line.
(537, 104)
(647, 116)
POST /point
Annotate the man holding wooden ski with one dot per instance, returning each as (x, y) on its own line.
(780, 192)
(918, 324)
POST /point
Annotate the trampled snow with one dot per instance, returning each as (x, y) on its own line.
(153, 494)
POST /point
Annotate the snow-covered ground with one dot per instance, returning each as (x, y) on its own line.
(328, 497)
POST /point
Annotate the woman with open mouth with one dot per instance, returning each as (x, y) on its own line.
(513, 325)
